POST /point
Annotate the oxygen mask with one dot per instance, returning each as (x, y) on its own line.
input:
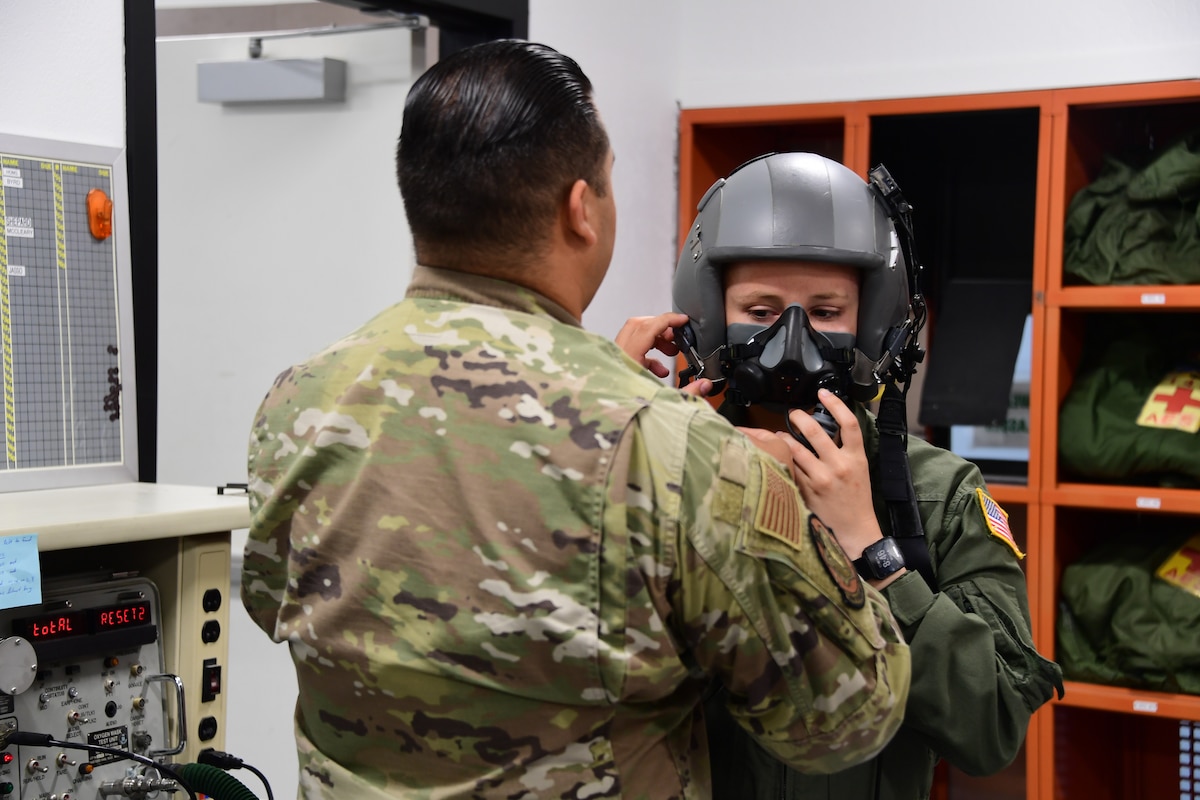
(782, 366)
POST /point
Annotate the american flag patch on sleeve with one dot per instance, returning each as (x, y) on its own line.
(997, 520)
(781, 513)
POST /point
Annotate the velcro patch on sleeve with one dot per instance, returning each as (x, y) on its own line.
(730, 490)
(728, 501)
(735, 462)
(996, 519)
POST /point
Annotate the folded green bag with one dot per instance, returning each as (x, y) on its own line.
(1138, 225)
(1120, 624)
(1125, 359)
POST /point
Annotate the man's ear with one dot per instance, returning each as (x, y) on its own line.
(579, 210)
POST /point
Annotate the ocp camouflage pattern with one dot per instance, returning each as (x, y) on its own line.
(507, 561)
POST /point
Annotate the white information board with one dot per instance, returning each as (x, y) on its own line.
(67, 377)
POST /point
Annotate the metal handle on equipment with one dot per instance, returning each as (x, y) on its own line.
(178, 748)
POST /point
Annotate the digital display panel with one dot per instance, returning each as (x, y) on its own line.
(126, 616)
(45, 627)
(83, 622)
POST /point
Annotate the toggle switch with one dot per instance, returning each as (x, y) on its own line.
(210, 680)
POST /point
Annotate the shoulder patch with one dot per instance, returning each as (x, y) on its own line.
(996, 519)
(781, 512)
(837, 563)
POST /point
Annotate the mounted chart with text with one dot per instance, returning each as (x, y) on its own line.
(66, 328)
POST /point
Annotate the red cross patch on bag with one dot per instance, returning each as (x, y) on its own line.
(1174, 403)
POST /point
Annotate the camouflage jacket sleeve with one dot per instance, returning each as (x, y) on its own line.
(265, 560)
(971, 642)
(765, 599)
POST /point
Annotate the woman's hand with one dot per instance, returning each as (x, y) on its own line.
(834, 478)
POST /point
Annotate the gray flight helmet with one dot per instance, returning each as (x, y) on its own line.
(794, 207)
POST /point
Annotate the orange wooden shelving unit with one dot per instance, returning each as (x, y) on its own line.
(1103, 741)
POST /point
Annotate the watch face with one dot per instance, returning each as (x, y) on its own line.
(884, 558)
(887, 558)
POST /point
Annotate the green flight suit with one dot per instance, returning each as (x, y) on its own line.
(507, 560)
(977, 678)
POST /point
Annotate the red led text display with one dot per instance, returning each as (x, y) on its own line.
(55, 626)
(108, 619)
(83, 622)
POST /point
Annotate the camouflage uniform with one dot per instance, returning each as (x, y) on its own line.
(507, 560)
(977, 678)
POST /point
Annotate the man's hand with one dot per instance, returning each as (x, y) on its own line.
(640, 335)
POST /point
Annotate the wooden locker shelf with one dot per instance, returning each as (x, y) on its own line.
(1126, 298)
(1130, 701)
(1013, 493)
(1123, 498)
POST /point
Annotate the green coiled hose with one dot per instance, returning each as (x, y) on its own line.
(214, 782)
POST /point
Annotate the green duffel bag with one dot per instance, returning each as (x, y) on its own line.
(1138, 225)
(1125, 362)
(1121, 624)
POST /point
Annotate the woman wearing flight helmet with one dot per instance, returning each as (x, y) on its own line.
(798, 279)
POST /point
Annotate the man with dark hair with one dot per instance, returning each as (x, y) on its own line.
(487, 149)
(506, 560)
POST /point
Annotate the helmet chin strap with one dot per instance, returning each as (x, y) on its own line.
(895, 482)
(894, 371)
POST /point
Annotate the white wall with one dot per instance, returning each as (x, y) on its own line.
(762, 52)
(63, 64)
(628, 48)
(649, 58)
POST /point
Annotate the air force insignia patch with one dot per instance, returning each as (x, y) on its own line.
(837, 563)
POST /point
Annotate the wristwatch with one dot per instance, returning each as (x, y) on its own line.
(880, 559)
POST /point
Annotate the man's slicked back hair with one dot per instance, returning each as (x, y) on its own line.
(492, 140)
